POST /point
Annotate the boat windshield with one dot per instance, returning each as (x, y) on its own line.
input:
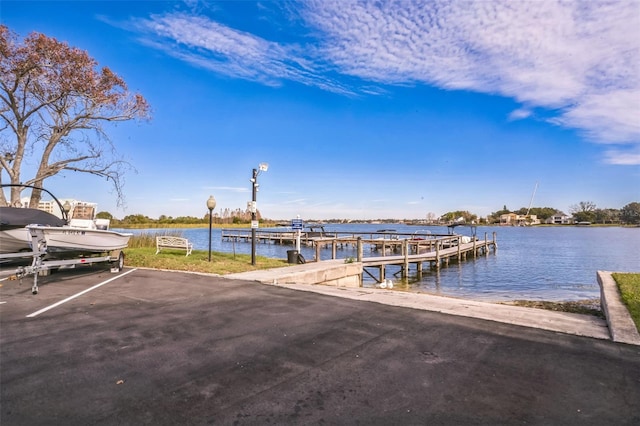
(84, 211)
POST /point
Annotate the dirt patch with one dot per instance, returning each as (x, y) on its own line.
(585, 307)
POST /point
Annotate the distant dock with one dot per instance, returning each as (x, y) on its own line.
(262, 236)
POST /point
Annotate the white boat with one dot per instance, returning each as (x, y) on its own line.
(74, 240)
(79, 232)
(14, 236)
(84, 235)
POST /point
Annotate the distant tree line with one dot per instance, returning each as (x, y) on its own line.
(584, 211)
(226, 216)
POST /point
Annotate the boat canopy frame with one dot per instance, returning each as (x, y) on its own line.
(451, 228)
(65, 214)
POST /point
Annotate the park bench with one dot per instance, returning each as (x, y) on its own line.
(173, 243)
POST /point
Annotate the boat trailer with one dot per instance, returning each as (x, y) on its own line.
(40, 264)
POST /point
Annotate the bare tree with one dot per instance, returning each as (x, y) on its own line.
(584, 211)
(583, 207)
(53, 103)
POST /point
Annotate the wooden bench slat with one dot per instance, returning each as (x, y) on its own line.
(166, 241)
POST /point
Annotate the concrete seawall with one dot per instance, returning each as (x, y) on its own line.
(621, 325)
(336, 273)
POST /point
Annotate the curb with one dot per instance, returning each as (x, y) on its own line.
(621, 326)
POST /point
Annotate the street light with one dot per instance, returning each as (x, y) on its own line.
(262, 167)
(211, 204)
(66, 207)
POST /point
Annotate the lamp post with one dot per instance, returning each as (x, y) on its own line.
(66, 207)
(262, 167)
(211, 204)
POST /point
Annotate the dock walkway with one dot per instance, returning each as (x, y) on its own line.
(435, 258)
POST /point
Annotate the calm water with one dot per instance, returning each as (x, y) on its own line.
(534, 263)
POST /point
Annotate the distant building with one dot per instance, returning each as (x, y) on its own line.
(78, 209)
(508, 219)
(513, 219)
(559, 218)
(531, 219)
(49, 207)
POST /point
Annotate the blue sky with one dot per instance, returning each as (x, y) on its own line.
(363, 110)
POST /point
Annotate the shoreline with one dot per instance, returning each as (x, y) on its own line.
(584, 306)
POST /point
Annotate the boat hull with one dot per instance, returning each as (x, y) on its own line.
(14, 240)
(65, 240)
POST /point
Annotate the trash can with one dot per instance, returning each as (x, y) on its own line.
(292, 256)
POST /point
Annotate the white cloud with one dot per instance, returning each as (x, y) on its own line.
(520, 114)
(228, 188)
(300, 201)
(621, 157)
(580, 60)
(210, 45)
(608, 117)
(580, 57)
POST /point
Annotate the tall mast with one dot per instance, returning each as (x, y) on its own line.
(532, 195)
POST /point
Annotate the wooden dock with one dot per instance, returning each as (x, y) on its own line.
(262, 236)
(389, 239)
(435, 252)
(382, 248)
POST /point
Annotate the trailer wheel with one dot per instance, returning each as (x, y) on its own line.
(118, 265)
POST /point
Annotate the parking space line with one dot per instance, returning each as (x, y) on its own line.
(77, 295)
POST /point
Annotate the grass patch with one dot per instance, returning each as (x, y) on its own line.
(197, 261)
(141, 252)
(629, 285)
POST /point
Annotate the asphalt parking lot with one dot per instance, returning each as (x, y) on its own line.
(163, 348)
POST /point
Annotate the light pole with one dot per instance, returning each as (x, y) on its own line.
(262, 167)
(211, 204)
(66, 207)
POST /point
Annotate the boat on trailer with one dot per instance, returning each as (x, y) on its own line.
(85, 234)
(42, 263)
(53, 242)
(65, 241)
(77, 233)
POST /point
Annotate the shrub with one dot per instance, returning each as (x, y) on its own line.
(148, 239)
